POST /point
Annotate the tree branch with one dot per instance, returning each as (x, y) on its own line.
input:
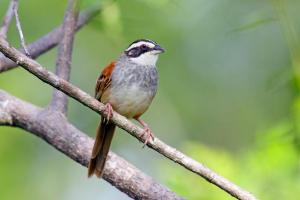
(48, 41)
(36, 69)
(7, 20)
(54, 128)
(19, 27)
(64, 56)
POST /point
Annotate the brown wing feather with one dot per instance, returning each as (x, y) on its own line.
(104, 80)
(105, 130)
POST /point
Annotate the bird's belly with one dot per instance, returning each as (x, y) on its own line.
(130, 101)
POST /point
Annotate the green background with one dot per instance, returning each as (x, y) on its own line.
(228, 96)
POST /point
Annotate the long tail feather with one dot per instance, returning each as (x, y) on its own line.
(105, 132)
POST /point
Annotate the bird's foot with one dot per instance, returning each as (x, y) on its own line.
(109, 111)
(147, 135)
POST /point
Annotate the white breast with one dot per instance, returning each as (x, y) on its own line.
(130, 101)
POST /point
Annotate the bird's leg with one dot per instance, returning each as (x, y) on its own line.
(109, 111)
(147, 135)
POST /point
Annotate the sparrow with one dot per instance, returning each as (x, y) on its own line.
(127, 86)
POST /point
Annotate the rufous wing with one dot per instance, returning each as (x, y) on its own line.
(105, 130)
(104, 80)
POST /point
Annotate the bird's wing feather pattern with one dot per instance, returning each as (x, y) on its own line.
(104, 80)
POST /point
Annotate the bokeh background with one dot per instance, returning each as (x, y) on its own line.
(228, 96)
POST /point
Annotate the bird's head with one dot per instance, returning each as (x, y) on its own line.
(144, 52)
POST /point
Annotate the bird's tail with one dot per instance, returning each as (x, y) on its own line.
(105, 133)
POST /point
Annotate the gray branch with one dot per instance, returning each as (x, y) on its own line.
(48, 77)
(54, 128)
(7, 20)
(48, 41)
(64, 55)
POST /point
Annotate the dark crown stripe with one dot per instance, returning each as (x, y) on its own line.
(143, 40)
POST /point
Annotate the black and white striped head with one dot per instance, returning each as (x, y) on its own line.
(144, 52)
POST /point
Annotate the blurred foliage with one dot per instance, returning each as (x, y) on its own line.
(229, 95)
(270, 169)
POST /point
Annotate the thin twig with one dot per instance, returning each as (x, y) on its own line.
(48, 41)
(36, 69)
(64, 55)
(7, 20)
(18, 23)
(54, 128)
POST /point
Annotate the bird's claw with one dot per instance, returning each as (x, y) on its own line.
(147, 135)
(109, 111)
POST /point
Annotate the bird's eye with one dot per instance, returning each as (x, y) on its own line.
(143, 47)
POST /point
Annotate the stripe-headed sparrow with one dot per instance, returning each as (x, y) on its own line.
(127, 86)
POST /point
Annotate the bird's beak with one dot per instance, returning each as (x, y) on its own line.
(158, 49)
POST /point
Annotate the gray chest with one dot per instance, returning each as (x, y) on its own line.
(133, 88)
(135, 78)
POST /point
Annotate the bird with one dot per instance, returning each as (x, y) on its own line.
(127, 86)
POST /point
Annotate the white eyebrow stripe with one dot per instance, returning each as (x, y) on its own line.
(149, 44)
